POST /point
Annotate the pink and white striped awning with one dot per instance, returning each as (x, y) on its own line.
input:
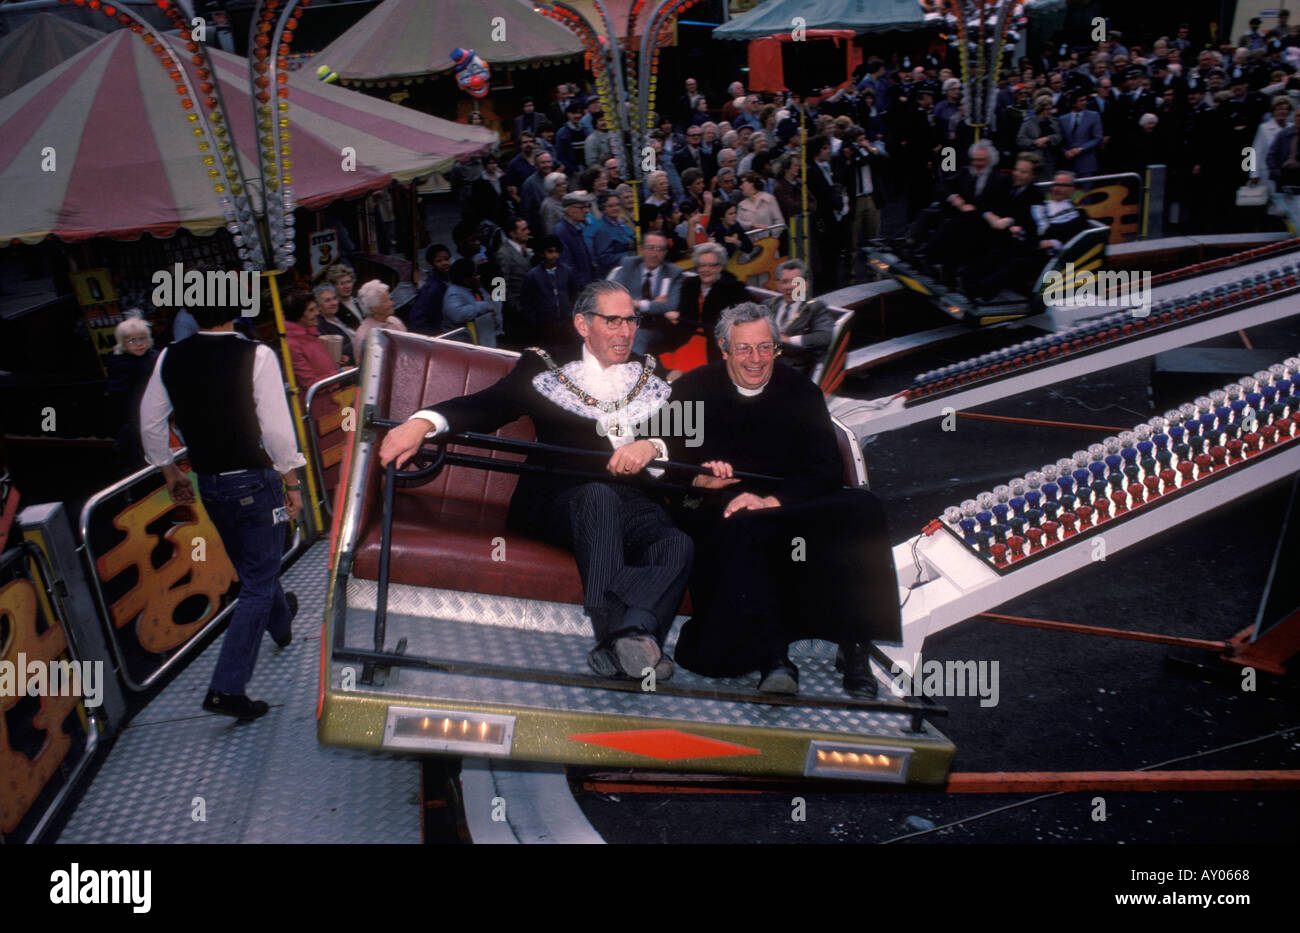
(100, 145)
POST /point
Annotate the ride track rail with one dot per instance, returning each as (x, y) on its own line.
(379, 657)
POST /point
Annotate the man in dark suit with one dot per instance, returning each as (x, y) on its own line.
(1012, 257)
(633, 562)
(530, 120)
(806, 326)
(833, 207)
(655, 286)
(704, 297)
(1081, 137)
(693, 155)
(969, 194)
(546, 298)
(513, 261)
(575, 253)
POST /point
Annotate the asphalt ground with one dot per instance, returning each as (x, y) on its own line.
(1068, 702)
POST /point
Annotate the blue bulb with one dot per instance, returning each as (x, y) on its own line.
(1253, 399)
(1082, 477)
(1270, 393)
(1050, 490)
(1113, 462)
(1000, 511)
(1033, 497)
(1097, 468)
(1017, 505)
(1129, 454)
(1160, 440)
(985, 519)
(1177, 432)
(1066, 484)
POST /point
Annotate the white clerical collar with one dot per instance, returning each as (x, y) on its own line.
(750, 393)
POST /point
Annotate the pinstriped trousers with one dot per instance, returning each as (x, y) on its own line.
(633, 561)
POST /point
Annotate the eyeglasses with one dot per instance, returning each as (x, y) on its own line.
(748, 349)
(615, 321)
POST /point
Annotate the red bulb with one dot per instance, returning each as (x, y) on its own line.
(1102, 505)
(1119, 497)
(1135, 491)
(1152, 484)
(999, 554)
(1035, 536)
(1017, 545)
(1085, 515)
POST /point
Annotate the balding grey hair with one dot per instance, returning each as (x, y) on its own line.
(589, 298)
(744, 313)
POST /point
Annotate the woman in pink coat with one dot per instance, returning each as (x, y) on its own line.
(311, 358)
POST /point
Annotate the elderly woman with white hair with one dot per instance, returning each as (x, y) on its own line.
(555, 187)
(377, 303)
(704, 297)
(129, 367)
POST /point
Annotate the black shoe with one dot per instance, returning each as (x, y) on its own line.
(779, 676)
(858, 679)
(292, 600)
(239, 706)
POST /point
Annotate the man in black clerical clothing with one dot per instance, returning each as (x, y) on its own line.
(633, 562)
(776, 562)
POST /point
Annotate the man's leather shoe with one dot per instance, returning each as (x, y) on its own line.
(292, 600)
(779, 676)
(237, 705)
(601, 660)
(635, 653)
(858, 679)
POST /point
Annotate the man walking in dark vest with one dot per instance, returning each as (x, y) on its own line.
(227, 396)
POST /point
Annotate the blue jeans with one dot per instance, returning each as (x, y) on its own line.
(241, 506)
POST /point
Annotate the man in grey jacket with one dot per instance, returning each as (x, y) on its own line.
(655, 287)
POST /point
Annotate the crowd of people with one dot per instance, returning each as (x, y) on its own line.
(891, 152)
(727, 168)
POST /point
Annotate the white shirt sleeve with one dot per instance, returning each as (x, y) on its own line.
(278, 438)
(440, 425)
(155, 409)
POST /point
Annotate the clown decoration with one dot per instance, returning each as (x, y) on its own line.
(471, 72)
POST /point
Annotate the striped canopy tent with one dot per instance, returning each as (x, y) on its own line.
(861, 16)
(100, 145)
(403, 41)
(37, 46)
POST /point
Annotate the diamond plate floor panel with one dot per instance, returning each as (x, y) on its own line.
(460, 641)
(267, 781)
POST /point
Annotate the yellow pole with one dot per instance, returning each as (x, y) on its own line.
(295, 403)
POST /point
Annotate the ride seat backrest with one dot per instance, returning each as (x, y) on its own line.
(850, 454)
(420, 372)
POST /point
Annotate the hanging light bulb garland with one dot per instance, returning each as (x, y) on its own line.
(214, 144)
(622, 75)
(983, 32)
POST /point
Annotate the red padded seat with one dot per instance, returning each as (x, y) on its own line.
(444, 532)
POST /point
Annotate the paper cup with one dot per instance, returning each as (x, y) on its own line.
(334, 343)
